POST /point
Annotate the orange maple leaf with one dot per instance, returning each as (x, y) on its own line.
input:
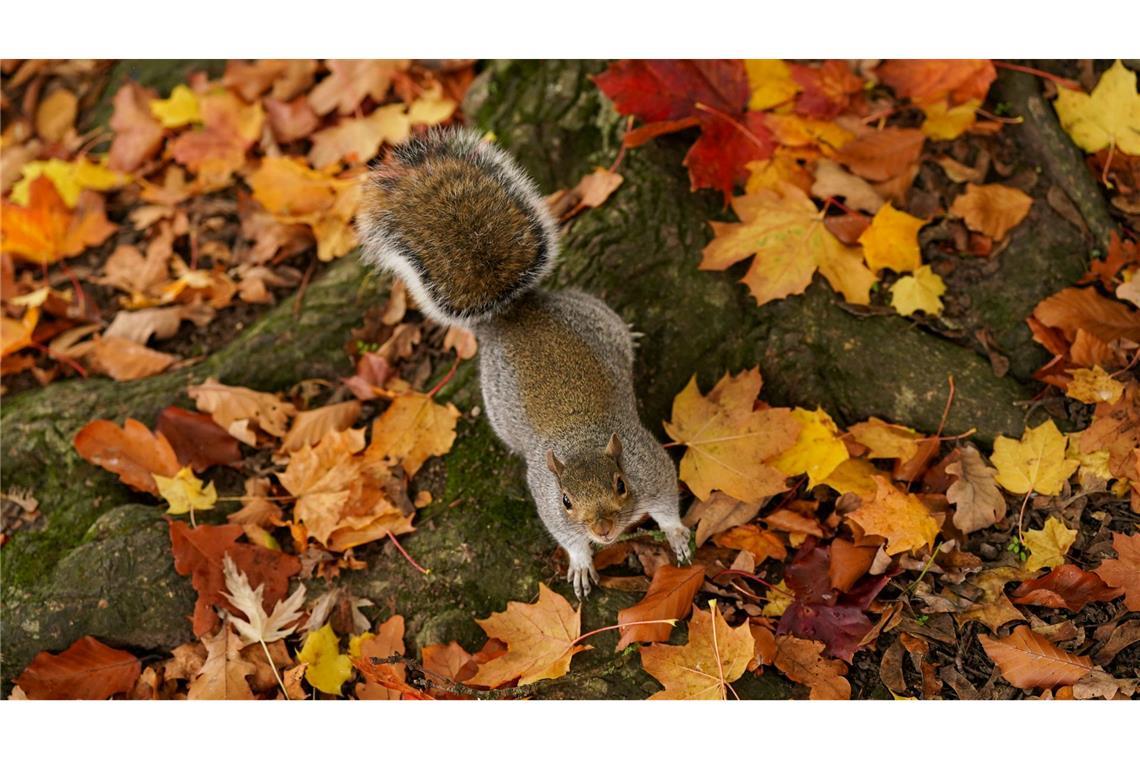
(45, 230)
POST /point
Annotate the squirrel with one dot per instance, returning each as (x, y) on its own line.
(462, 224)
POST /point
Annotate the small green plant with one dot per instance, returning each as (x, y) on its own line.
(363, 347)
(1003, 109)
(1017, 549)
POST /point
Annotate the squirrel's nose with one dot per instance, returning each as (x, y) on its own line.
(603, 528)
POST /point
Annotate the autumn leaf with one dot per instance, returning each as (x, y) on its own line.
(882, 154)
(123, 359)
(993, 210)
(539, 637)
(717, 514)
(1028, 660)
(70, 178)
(295, 194)
(977, 500)
(310, 426)
(237, 409)
(786, 234)
(382, 680)
(185, 494)
(1049, 545)
(1124, 571)
(87, 669)
(1035, 463)
(132, 452)
(993, 607)
(358, 140)
(803, 662)
(229, 128)
(899, 517)
(350, 82)
(1108, 117)
(921, 292)
(930, 81)
(1094, 386)
(55, 115)
(828, 88)
(891, 241)
(670, 597)
(1065, 587)
(328, 667)
(714, 656)
(45, 230)
(196, 439)
(178, 110)
(729, 442)
(224, 673)
(259, 627)
(944, 122)
(770, 82)
(138, 135)
(832, 180)
(818, 449)
(886, 441)
(449, 661)
(761, 544)
(412, 429)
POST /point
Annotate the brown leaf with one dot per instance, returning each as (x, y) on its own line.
(849, 563)
(291, 121)
(131, 452)
(670, 597)
(802, 661)
(994, 608)
(717, 514)
(793, 522)
(762, 544)
(124, 359)
(350, 82)
(197, 440)
(310, 426)
(223, 675)
(383, 681)
(452, 662)
(1124, 572)
(882, 154)
(992, 210)
(975, 494)
(85, 670)
(138, 135)
(1065, 587)
(1028, 660)
(235, 409)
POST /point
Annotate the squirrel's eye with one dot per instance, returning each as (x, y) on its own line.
(566, 502)
(619, 486)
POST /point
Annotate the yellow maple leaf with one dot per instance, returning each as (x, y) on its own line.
(1035, 463)
(818, 450)
(1094, 386)
(774, 172)
(431, 107)
(855, 476)
(891, 242)
(185, 494)
(920, 292)
(729, 443)
(780, 598)
(1048, 546)
(1109, 116)
(539, 637)
(180, 109)
(899, 517)
(946, 122)
(412, 429)
(69, 177)
(886, 441)
(328, 667)
(714, 657)
(786, 234)
(771, 83)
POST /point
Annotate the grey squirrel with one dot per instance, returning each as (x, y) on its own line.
(468, 232)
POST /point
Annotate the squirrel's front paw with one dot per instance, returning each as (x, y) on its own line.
(679, 543)
(581, 574)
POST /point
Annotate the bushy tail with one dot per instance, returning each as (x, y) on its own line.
(460, 222)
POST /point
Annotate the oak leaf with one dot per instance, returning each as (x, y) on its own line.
(132, 452)
(412, 429)
(238, 409)
(1124, 571)
(729, 442)
(184, 493)
(891, 241)
(328, 667)
(670, 597)
(803, 662)
(992, 210)
(1065, 587)
(1109, 117)
(1035, 463)
(540, 640)
(974, 493)
(818, 449)
(785, 232)
(1049, 545)
(714, 656)
(920, 292)
(1029, 660)
(87, 669)
(899, 517)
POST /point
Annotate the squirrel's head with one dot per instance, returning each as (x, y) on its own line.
(595, 493)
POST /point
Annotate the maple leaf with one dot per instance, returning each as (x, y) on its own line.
(803, 662)
(1094, 386)
(1048, 546)
(1035, 463)
(235, 409)
(124, 359)
(1107, 118)
(1065, 587)
(786, 234)
(229, 128)
(831, 180)
(1075, 310)
(138, 135)
(291, 120)
(1029, 660)
(412, 429)
(899, 517)
(359, 140)
(295, 194)
(591, 191)
(350, 82)
(892, 241)
(196, 439)
(943, 122)
(977, 500)
(70, 178)
(728, 441)
(771, 83)
(714, 656)
(259, 627)
(328, 667)
(717, 514)
(818, 449)
(1124, 571)
(178, 110)
(827, 89)
(452, 662)
(184, 493)
(223, 674)
(132, 452)
(992, 210)
(382, 680)
(761, 544)
(882, 154)
(779, 600)
(922, 292)
(87, 669)
(930, 81)
(539, 637)
(670, 597)
(993, 607)
(886, 441)
(45, 230)
(310, 426)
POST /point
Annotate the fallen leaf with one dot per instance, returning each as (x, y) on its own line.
(138, 135)
(827, 88)
(717, 514)
(771, 83)
(670, 597)
(358, 140)
(1065, 587)
(922, 292)
(848, 563)
(974, 493)
(412, 429)
(1028, 660)
(259, 627)
(328, 667)
(703, 668)
(803, 662)
(1075, 310)
(383, 680)
(235, 409)
(1108, 117)
(1049, 545)
(291, 120)
(945, 122)
(818, 449)
(123, 359)
(350, 82)
(45, 230)
(831, 180)
(185, 494)
(1035, 463)
(891, 241)
(930, 81)
(178, 110)
(899, 517)
(55, 114)
(1124, 571)
(882, 154)
(993, 608)
(196, 439)
(132, 452)
(761, 544)
(310, 426)
(214, 152)
(992, 210)
(1094, 386)
(539, 637)
(886, 441)
(452, 662)
(85, 670)
(223, 674)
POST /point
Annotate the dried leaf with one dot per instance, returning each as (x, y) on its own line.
(992, 210)
(132, 452)
(85, 670)
(1028, 660)
(803, 662)
(670, 597)
(979, 504)
(1124, 571)
(714, 657)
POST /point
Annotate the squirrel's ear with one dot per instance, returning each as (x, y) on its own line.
(613, 448)
(552, 462)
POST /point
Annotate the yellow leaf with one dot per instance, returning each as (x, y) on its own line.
(817, 451)
(357, 141)
(771, 83)
(855, 476)
(412, 429)
(946, 123)
(539, 639)
(431, 107)
(1109, 116)
(236, 409)
(780, 599)
(891, 241)
(786, 234)
(729, 443)
(772, 173)
(180, 109)
(328, 668)
(1048, 546)
(355, 642)
(886, 441)
(1035, 463)
(993, 209)
(922, 292)
(69, 177)
(1094, 386)
(715, 656)
(184, 493)
(899, 517)
(55, 115)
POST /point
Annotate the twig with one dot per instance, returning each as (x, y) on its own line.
(1068, 84)
(273, 667)
(407, 556)
(446, 379)
(299, 302)
(621, 150)
(1021, 514)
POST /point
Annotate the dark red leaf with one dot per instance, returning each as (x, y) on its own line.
(1065, 587)
(670, 89)
(719, 157)
(198, 441)
(85, 670)
(827, 89)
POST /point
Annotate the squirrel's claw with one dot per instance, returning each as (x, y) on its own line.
(679, 543)
(581, 575)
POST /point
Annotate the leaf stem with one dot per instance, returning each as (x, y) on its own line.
(273, 667)
(407, 556)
